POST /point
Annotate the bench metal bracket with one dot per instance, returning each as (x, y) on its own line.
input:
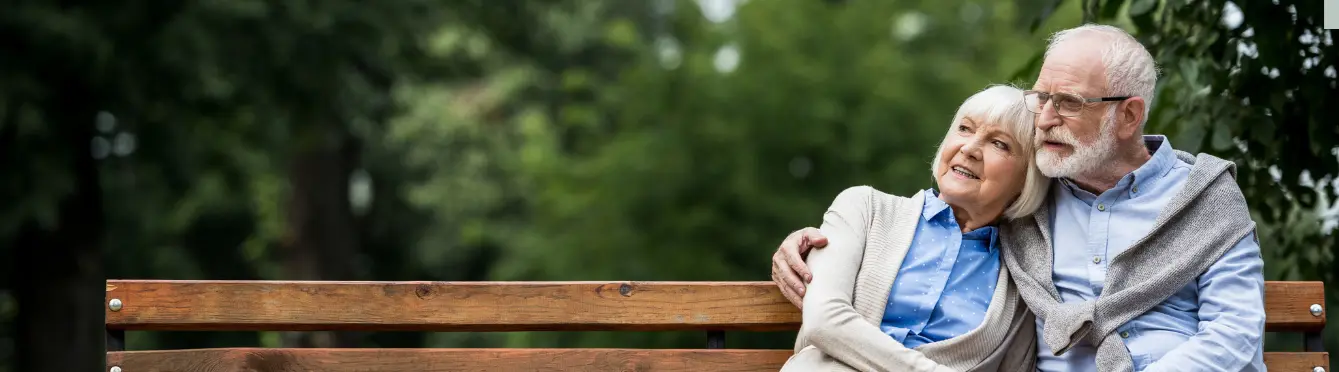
(1313, 342)
(715, 339)
(116, 340)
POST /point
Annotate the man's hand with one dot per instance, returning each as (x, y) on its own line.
(788, 268)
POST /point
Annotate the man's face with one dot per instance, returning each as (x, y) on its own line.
(1070, 146)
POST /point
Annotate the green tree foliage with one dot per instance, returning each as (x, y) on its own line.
(160, 139)
(707, 141)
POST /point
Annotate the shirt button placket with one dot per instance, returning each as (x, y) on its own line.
(1098, 242)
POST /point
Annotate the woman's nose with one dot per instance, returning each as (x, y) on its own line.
(972, 149)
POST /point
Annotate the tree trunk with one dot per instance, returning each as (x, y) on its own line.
(57, 269)
(322, 238)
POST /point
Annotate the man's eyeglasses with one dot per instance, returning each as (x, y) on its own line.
(1065, 104)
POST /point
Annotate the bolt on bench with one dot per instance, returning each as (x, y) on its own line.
(710, 307)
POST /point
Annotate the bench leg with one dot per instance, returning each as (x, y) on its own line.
(116, 340)
(715, 339)
(1313, 342)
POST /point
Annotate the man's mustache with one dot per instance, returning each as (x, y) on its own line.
(1060, 136)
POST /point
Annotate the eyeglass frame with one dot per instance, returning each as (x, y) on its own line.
(1085, 100)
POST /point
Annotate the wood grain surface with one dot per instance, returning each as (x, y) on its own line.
(443, 306)
(1288, 306)
(512, 306)
(1299, 362)
(443, 360)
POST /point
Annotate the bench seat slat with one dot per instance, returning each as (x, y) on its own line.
(1296, 361)
(425, 360)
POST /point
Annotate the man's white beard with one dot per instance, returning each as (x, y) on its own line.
(1084, 159)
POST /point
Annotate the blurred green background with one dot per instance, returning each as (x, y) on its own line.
(558, 140)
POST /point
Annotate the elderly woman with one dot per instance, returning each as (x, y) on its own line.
(915, 283)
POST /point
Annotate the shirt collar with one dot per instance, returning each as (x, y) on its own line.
(1164, 157)
(987, 233)
(934, 208)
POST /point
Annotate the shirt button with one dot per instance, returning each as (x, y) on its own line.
(1097, 259)
(1134, 189)
(1125, 334)
(1101, 207)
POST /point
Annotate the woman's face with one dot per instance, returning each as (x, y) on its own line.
(981, 167)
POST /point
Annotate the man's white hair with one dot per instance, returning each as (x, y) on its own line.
(1131, 70)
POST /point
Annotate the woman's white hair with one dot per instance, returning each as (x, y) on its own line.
(1131, 70)
(1002, 105)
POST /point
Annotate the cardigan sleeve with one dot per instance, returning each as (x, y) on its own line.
(830, 321)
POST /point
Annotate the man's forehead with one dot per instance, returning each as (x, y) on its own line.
(1073, 67)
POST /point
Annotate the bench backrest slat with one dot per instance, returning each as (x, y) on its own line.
(1288, 306)
(447, 306)
(512, 306)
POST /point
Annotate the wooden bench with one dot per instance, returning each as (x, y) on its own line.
(710, 307)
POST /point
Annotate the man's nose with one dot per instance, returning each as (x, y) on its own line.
(1048, 118)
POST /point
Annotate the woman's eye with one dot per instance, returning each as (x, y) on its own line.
(963, 128)
(1001, 145)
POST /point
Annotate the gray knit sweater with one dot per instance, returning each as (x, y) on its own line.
(1205, 219)
(869, 233)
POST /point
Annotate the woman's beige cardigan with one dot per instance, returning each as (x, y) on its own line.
(868, 235)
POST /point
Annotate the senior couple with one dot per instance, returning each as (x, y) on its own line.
(1059, 238)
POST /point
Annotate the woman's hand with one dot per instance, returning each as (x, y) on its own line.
(789, 271)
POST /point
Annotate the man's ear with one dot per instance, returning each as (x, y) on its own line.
(1129, 117)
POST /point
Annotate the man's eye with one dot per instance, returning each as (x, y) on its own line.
(1069, 102)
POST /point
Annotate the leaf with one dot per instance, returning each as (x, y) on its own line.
(1139, 7)
(1111, 9)
(1222, 138)
(1143, 21)
(1044, 12)
(1191, 135)
(1189, 72)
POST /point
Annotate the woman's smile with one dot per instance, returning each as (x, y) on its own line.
(964, 173)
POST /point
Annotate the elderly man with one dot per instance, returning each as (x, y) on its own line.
(1145, 257)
